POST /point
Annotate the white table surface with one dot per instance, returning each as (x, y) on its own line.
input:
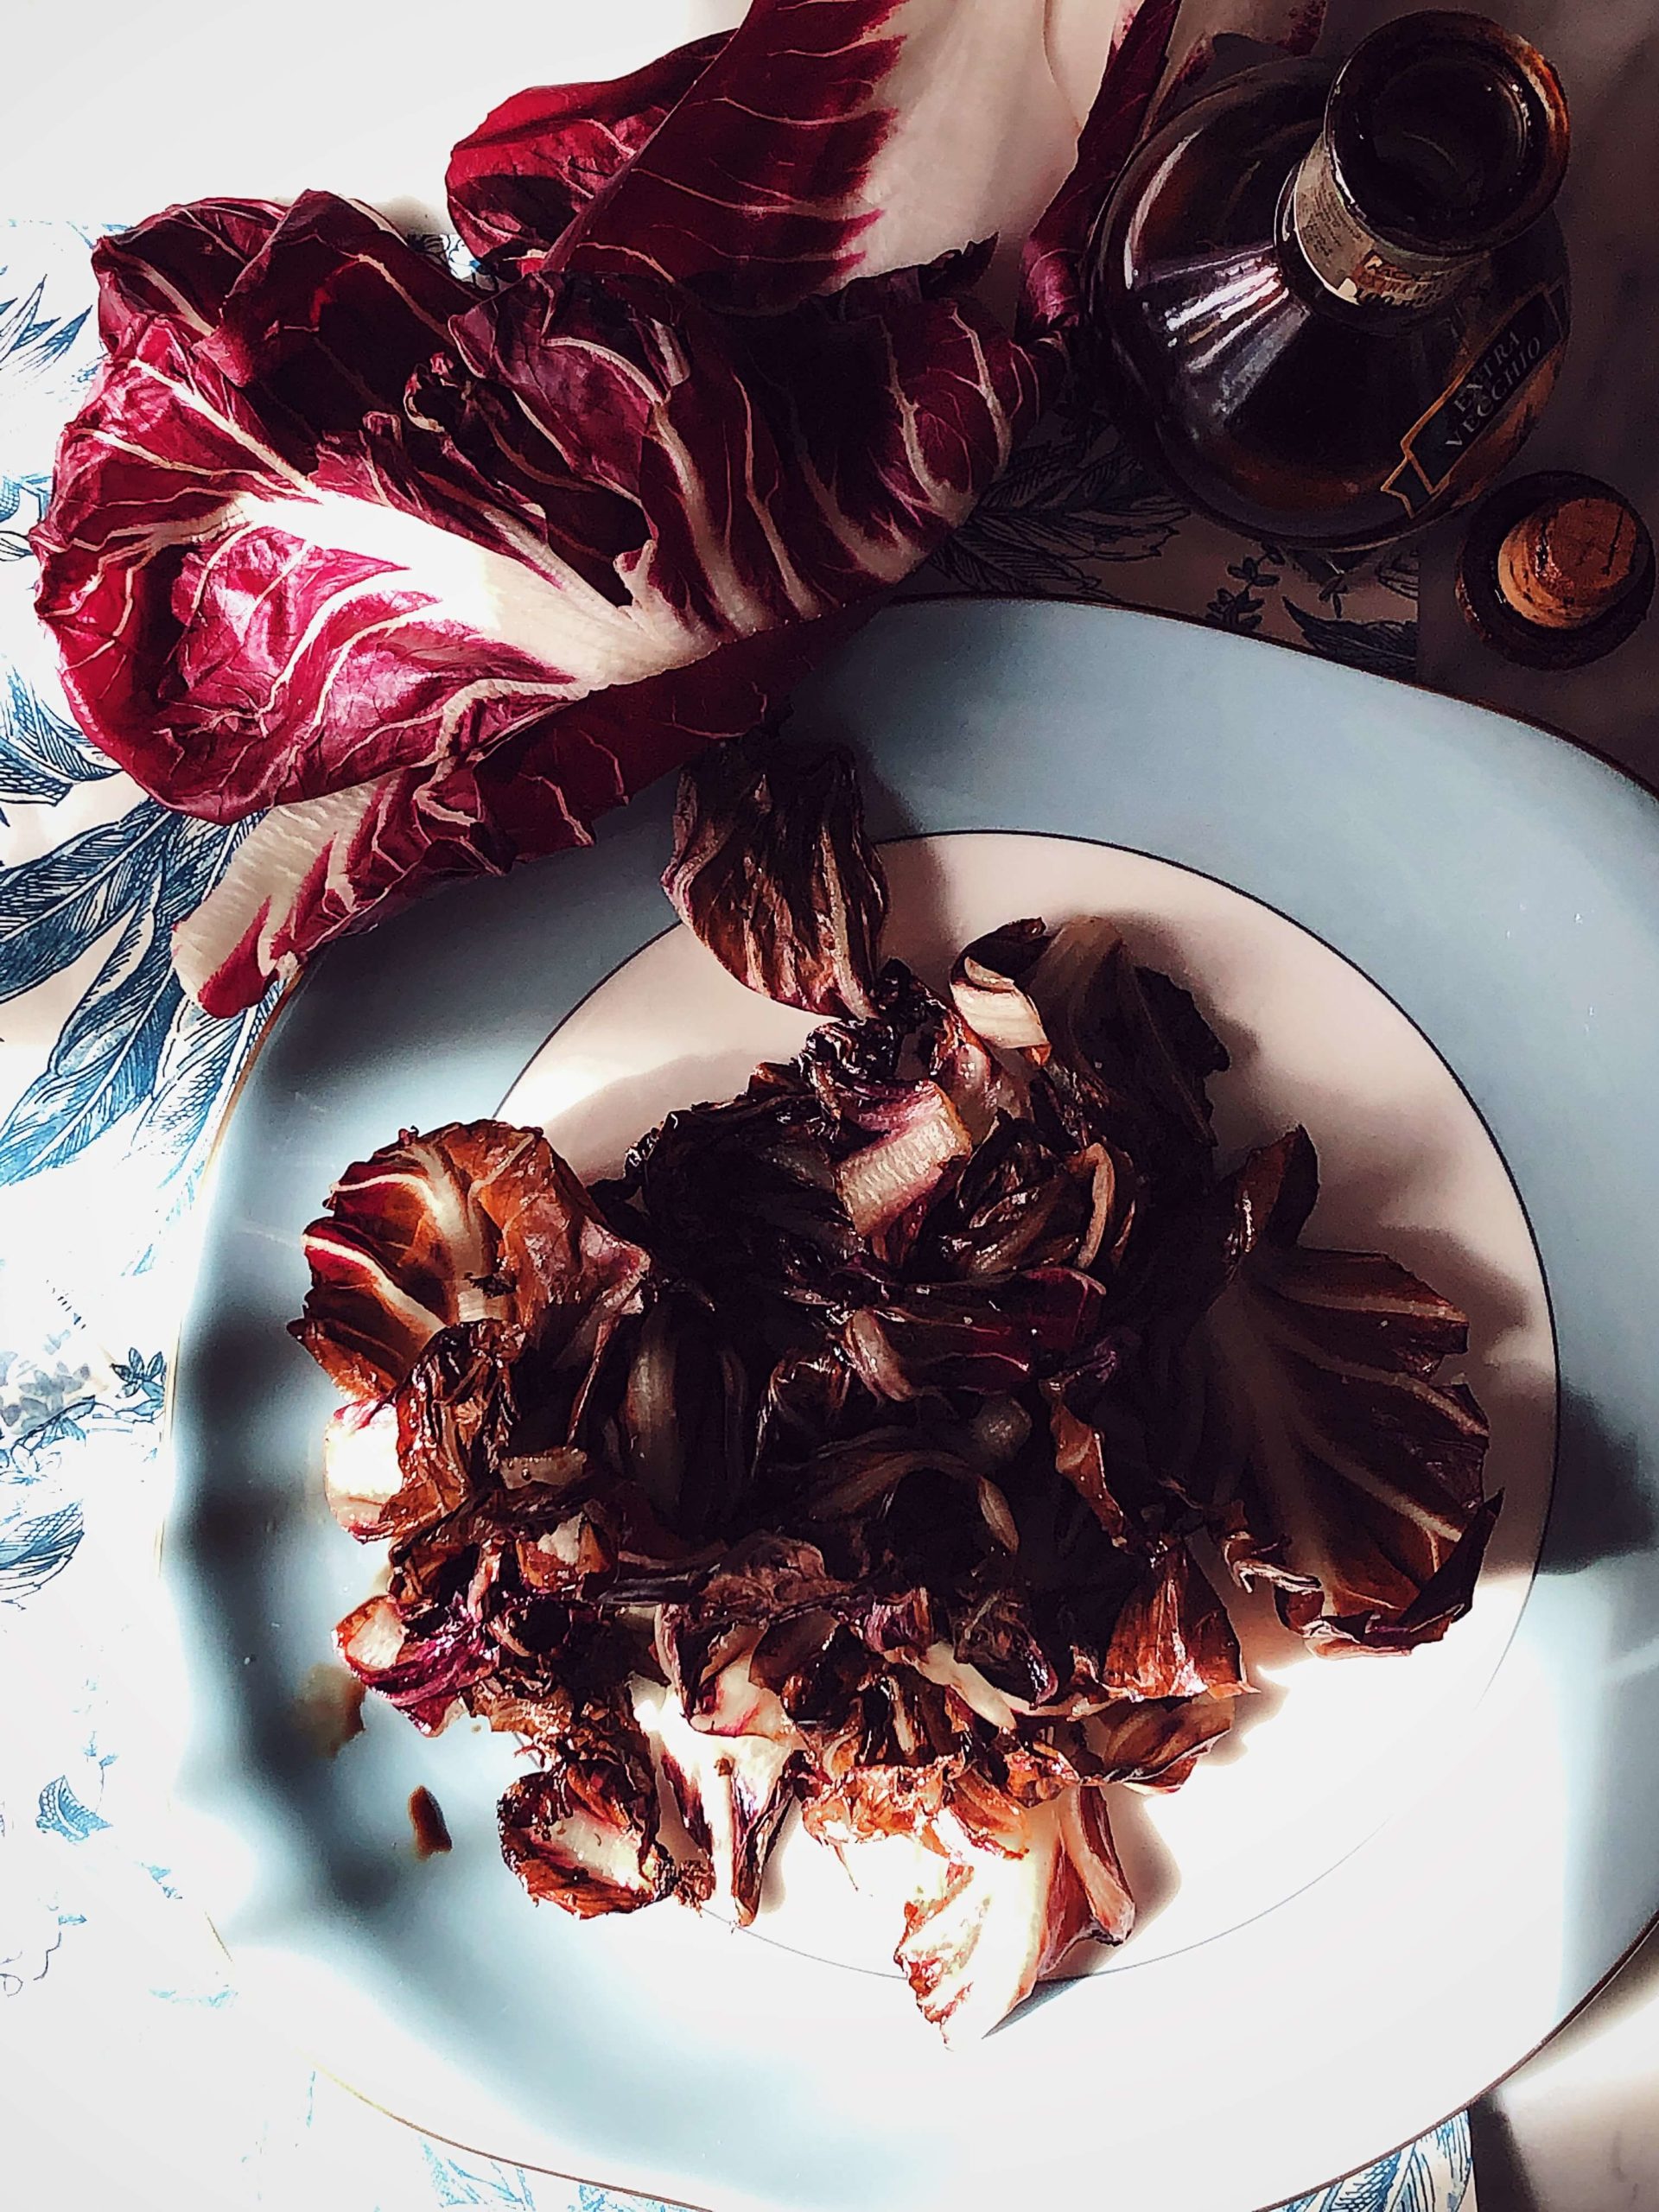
(118, 106)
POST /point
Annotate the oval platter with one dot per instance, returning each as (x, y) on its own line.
(1421, 1884)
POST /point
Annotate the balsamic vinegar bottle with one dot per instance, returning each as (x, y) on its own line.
(1330, 303)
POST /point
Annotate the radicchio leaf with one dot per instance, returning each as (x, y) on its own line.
(1359, 1497)
(181, 263)
(870, 1801)
(351, 630)
(434, 574)
(987, 1339)
(732, 1784)
(1173, 1637)
(473, 1222)
(741, 1199)
(582, 1833)
(772, 871)
(992, 1922)
(392, 1466)
(516, 183)
(753, 191)
(1016, 1204)
(1051, 290)
(1123, 1052)
(315, 869)
(421, 1670)
(875, 134)
(1156, 1742)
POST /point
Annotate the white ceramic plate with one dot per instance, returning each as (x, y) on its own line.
(1428, 933)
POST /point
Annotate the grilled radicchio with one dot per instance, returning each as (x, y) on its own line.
(434, 571)
(856, 1449)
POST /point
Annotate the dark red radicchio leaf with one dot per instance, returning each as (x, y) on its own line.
(180, 263)
(1017, 1204)
(582, 1832)
(473, 1222)
(315, 869)
(284, 569)
(1053, 306)
(812, 1397)
(817, 1665)
(991, 1923)
(327, 325)
(1354, 1474)
(752, 188)
(836, 160)
(1111, 1420)
(515, 184)
(263, 602)
(772, 871)
(1120, 1629)
(320, 541)
(763, 1577)
(1173, 1639)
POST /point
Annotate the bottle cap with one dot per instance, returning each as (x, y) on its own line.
(1556, 570)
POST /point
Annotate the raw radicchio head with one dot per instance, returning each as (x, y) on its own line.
(435, 574)
(861, 1445)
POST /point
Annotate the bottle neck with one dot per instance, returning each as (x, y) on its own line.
(1444, 137)
(1348, 259)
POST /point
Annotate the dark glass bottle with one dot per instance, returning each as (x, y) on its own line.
(1332, 302)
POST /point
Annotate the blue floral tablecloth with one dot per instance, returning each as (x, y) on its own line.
(132, 2075)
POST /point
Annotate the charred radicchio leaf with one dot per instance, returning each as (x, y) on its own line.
(987, 1339)
(772, 871)
(1124, 1051)
(732, 1779)
(472, 1222)
(390, 1467)
(993, 1922)
(1358, 1474)
(584, 1832)
(423, 1669)
(741, 1199)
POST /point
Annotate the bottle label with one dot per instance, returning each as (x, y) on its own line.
(1351, 261)
(1482, 395)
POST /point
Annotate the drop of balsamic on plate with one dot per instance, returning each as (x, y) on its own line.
(426, 1818)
